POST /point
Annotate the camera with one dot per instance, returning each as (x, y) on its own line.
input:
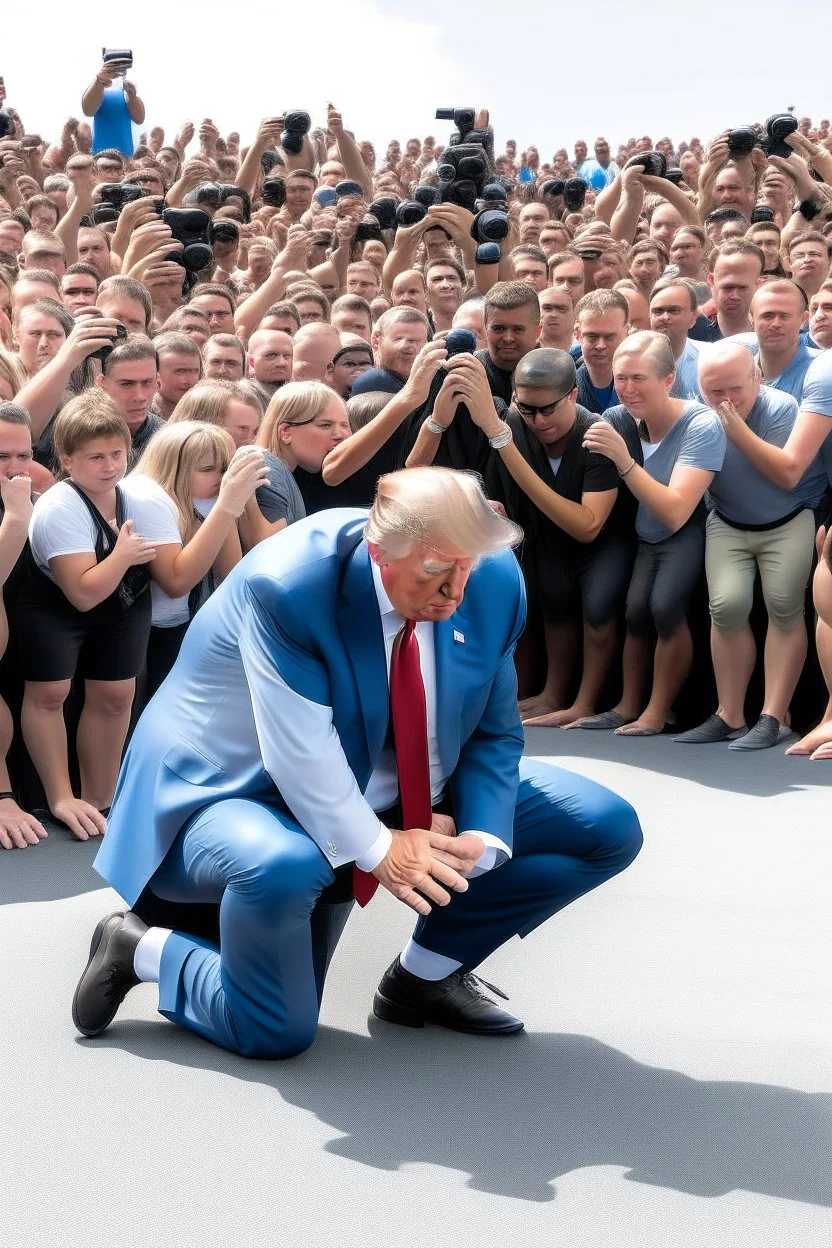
(6, 126)
(653, 163)
(123, 57)
(415, 209)
(368, 228)
(489, 226)
(270, 160)
(228, 191)
(113, 197)
(189, 226)
(467, 163)
(742, 140)
(208, 195)
(298, 125)
(778, 127)
(553, 188)
(460, 342)
(274, 192)
(223, 231)
(574, 193)
(384, 211)
(348, 188)
(102, 353)
(761, 212)
(493, 196)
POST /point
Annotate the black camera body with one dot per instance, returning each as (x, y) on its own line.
(415, 209)
(121, 56)
(223, 231)
(778, 127)
(368, 228)
(102, 353)
(274, 192)
(113, 197)
(384, 211)
(6, 126)
(298, 124)
(190, 227)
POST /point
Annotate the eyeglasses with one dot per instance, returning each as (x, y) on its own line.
(530, 412)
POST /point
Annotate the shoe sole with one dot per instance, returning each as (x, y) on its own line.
(97, 937)
(392, 1012)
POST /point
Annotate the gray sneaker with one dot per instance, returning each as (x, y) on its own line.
(767, 731)
(714, 729)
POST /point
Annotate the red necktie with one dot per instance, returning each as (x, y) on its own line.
(409, 713)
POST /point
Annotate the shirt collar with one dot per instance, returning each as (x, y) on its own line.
(385, 606)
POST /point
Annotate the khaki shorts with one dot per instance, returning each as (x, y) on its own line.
(784, 558)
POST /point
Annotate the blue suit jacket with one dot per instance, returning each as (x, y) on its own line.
(303, 602)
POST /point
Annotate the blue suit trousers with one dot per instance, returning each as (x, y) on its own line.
(258, 997)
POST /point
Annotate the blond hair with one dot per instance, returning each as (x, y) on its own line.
(296, 403)
(90, 415)
(12, 371)
(208, 401)
(173, 454)
(654, 347)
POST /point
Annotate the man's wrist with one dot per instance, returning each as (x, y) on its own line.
(375, 853)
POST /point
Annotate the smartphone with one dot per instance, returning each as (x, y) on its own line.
(120, 57)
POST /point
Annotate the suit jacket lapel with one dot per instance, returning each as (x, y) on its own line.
(360, 626)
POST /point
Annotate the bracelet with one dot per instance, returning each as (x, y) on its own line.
(501, 439)
(8, 793)
(629, 468)
(435, 427)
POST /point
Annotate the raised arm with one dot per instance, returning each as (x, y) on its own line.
(351, 158)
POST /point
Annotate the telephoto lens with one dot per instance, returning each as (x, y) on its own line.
(297, 125)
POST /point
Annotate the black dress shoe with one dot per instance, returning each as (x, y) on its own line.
(457, 1002)
(109, 974)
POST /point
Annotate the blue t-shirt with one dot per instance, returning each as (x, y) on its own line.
(817, 397)
(111, 125)
(697, 440)
(792, 377)
(741, 493)
(686, 382)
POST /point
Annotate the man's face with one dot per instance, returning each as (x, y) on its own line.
(108, 169)
(78, 290)
(349, 366)
(47, 257)
(820, 319)
(637, 385)
(270, 356)
(427, 584)
(178, 373)
(533, 217)
(734, 381)
(769, 242)
(444, 287)
(331, 174)
(686, 253)
(223, 362)
(527, 269)
(809, 263)
(349, 322)
(399, 345)
(284, 324)
(735, 278)
(600, 336)
(557, 316)
(580, 152)
(645, 269)
(129, 312)
(732, 191)
(569, 276)
(11, 237)
(671, 314)
(664, 223)
(93, 250)
(39, 338)
(169, 164)
(132, 386)
(602, 153)
(639, 311)
(511, 334)
(15, 450)
(549, 414)
(309, 310)
(363, 282)
(732, 229)
(473, 319)
(299, 194)
(218, 311)
(777, 319)
(241, 420)
(409, 291)
(607, 271)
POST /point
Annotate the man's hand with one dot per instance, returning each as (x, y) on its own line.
(604, 440)
(730, 418)
(334, 121)
(208, 135)
(460, 852)
(81, 173)
(91, 332)
(293, 255)
(425, 367)
(16, 493)
(183, 138)
(412, 873)
(468, 383)
(457, 221)
(268, 135)
(150, 237)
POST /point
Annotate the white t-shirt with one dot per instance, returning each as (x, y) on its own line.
(555, 460)
(61, 524)
(167, 611)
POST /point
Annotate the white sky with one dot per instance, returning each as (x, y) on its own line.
(548, 75)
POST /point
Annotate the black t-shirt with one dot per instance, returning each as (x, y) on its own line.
(359, 490)
(705, 330)
(499, 380)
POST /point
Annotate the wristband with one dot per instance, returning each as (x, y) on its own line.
(629, 468)
(8, 793)
(435, 427)
(501, 439)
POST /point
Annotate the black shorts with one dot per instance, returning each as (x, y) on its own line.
(58, 642)
(586, 582)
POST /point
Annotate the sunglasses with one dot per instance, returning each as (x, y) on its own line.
(530, 411)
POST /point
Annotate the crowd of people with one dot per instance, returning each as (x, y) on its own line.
(203, 342)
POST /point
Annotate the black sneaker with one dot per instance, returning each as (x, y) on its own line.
(458, 1002)
(109, 973)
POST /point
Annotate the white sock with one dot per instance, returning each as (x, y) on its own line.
(148, 956)
(425, 964)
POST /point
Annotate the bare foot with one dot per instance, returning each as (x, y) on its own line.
(822, 752)
(641, 727)
(813, 740)
(539, 705)
(560, 719)
(82, 819)
(17, 827)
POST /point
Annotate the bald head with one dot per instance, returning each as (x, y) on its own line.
(315, 345)
(729, 373)
(270, 356)
(546, 369)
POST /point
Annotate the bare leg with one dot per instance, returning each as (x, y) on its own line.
(734, 656)
(561, 654)
(785, 655)
(822, 735)
(44, 732)
(671, 665)
(600, 643)
(17, 827)
(102, 732)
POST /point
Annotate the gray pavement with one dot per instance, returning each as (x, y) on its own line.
(673, 1086)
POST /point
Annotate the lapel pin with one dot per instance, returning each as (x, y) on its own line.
(459, 637)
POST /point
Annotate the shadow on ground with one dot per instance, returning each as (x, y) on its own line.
(58, 867)
(543, 1106)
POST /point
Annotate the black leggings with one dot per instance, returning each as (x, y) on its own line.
(162, 652)
(664, 579)
(589, 583)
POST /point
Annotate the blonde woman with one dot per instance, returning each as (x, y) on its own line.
(304, 421)
(230, 404)
(12, 376)
(209, 483)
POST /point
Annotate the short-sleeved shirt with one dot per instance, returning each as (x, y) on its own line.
(280, 499)
(793, 375)
(62, 525)
(741, 493)
(706, 330)
(686, 382)
(697, 440)
(817, 397)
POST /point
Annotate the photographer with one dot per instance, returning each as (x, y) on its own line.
(113, 108)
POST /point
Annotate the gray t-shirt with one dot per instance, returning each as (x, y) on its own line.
(281, 498)
(697, 440)
(817, 397)
(741, 493)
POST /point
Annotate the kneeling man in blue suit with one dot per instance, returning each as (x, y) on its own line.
(343, 715)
